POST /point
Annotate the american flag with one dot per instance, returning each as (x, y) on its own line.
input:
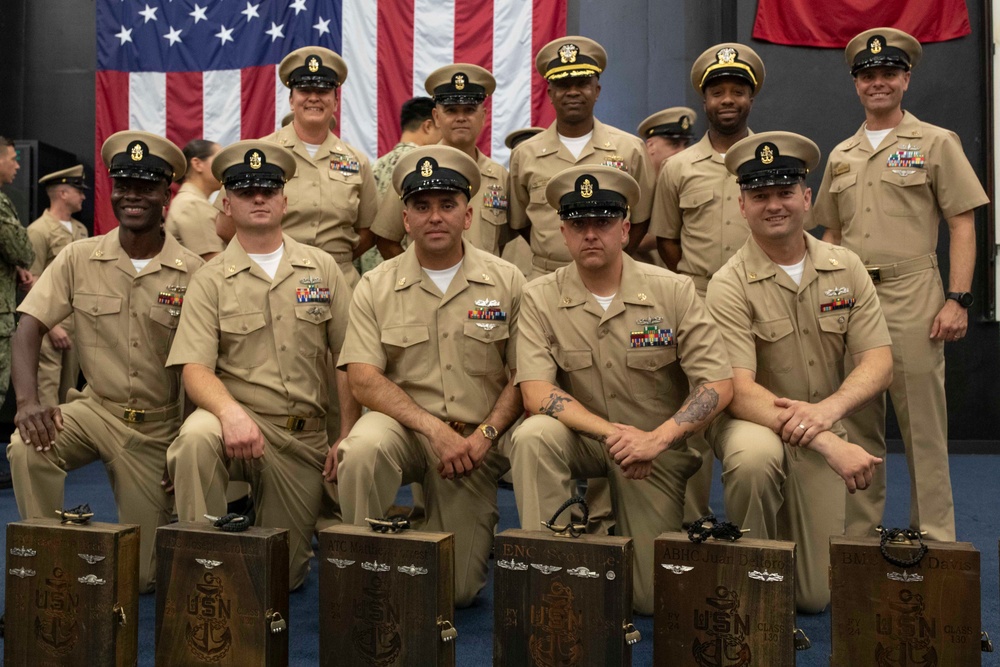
(189, 69)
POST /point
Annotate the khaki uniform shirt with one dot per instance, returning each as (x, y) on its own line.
(191, 220)
(794, 337)
(634, 363)
(541, 157)
(382, 169)
(698, 202)
(266, 340)
(888, 203)
(489, 210)
(48, 238)
(331, 196)
(451, 353)
(124, 321)
(15, 250)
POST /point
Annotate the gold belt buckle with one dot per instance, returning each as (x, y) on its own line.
(134, 416)
(295, 423)
(876, 274)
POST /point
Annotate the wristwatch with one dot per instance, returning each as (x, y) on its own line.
(964, 299)
(489, 432)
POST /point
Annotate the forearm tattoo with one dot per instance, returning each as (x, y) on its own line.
(700, 404)
(554, 404)
(603, 439)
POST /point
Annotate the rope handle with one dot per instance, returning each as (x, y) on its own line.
(698, 532)
(572, 529)
(78, 515)
(900, 536)
(230, 523)
(390, 524)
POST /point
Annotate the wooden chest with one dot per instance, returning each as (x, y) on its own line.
(561, 600)
(221, 598)
(72, 594)
(386, 599)
(883, 614)
(723, 603)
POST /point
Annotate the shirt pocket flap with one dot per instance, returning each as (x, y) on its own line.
(489, 332)
(243, 323)
(772, 330)
(162, 315)
(835, 324)
(573, 360)
(405, 336)
(841, 183)
(697, 198)
(650, 358)
(313, 312)
(97, 304)
(914, 177)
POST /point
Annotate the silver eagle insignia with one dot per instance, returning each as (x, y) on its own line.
(375, 566)
(837, 291)
(341, 563)
(676, 569)
(91, 559)
(765, 576)
(21, 573)
(24, 552)
(91, 580)
(656, 319)
(209, 564)
(411, 570)
(487, 303)
(905, 577)
(546, 569)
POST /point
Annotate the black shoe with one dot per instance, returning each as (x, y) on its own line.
(6, 481)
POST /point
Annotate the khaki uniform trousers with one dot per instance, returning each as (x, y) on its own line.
(381, 455)
(329, 513)
(699, 487)
(782, 493)
(546, 456)
(58, 370)
(287, 482)
(134, 456)
(909, 304)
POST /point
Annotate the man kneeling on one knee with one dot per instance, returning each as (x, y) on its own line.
(609, 348)
(789, 307)
(258, 322)
(430, 352)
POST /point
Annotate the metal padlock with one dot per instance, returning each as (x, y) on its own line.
(985, 645)
(802, 642)
(632, 635)
(448, 631)
(277, 623)
(119, 613)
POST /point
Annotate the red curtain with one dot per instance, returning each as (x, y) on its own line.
(833, 23)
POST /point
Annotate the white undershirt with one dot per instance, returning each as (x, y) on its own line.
(67, 224)
(794, 271)
(140, 264)
(875, 137)
(444, 277)
(269, 261)
(605, 301)
(311, 148)
(575, 145)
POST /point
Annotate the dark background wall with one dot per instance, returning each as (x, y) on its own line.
(47, 93)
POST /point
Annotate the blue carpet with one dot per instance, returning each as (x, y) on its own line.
(974, 479)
